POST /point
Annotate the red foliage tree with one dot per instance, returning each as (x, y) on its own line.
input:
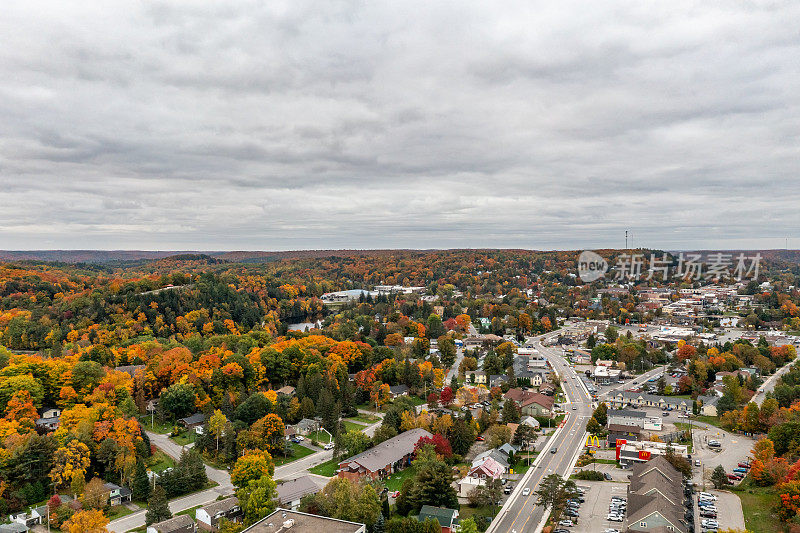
(447, 396)
(440, 444)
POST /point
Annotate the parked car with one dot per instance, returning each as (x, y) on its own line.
(479, 438)
(508, 489)
(744, 465)
(615, 518)
(734, 477)
(607, 476)
(697, 462)
(566, 523)
(707, 496)
(740, 470)
(328, 446)
(571, 513)
(394, 494)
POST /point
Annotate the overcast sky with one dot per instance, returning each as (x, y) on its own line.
(272, 125)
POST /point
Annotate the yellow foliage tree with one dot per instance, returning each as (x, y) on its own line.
(91, 521)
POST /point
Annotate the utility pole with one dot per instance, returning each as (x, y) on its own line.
(626, 239)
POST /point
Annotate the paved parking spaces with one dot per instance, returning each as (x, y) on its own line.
(735, 449)
(729, 511)
(594, 510)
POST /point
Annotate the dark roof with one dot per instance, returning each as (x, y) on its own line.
(398, 389)
(296, 489)
(444, 515)
(389, 451)
(626, 412)
(222, 506)
(197, 418)
(623, 428)
(174, 524)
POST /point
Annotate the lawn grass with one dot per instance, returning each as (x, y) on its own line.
(327, 469)
(758, 504)
(298, 452)
(364, 419)
(158, 427)
(160, 461)
(395, 481)
(415, 400)
(710, 420)
(352, 426)
(184, 438)
(190, 512)
(118, 511)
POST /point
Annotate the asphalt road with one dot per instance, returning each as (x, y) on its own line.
(520, 513)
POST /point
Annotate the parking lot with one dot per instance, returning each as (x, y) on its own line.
(594, 510)
(734, 450)
(729, 511)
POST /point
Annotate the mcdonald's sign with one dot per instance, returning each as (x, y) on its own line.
(644, 455)
(592, 440)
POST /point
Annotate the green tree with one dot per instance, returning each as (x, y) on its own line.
(257, 499)
(468, 526)
(157, 506)
(462, 436)
(354, 442)
(216, 425)
(140, 487)
(511, 413)
(601, 414)
(594, 427)
(719, 478)
(177, 401)
(554, 492)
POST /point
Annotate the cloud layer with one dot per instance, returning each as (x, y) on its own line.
(289, 125)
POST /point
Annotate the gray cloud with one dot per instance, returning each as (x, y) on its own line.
(285, 125)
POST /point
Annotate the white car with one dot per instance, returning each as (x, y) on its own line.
(614, 518)
(299, 438)
(707, 496)
(328, 446)
(709, 522)
(566, 523)
(526, 491)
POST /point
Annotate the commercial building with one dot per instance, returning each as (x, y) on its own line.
(287, 521)
(632, 452)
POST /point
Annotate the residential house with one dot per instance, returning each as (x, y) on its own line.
(48, 418)
(286, 390)
(307, 426)
(709, 407)
(286, 520)
(117, 495)
(494, 454)
(192, 422)
(478, 377)
(639, 399)
(530, 421)
(14, 527)
(178, 524)
(290, 492)
(384, 459)
(538, 405)
(398, 390)
(208, 516)
(447, 518)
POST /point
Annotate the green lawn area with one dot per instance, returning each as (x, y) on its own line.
(352, 426)
(299, 452)
(185, 437)
(118, 511)
(395, 481)
(416, 401)
(327, 469)
(160, 461)
(703, 419)
(364, 419)
(757, 505)
(158, 427)
(319, 436)
(189, 512)
(476, 513)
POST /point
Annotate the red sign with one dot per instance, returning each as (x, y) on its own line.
(644, 455)
(620, 442)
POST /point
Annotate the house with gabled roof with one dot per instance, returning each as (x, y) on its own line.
(447, 518)
(385, 458)
(210, 515)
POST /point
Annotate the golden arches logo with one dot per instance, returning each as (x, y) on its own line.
(592, 440)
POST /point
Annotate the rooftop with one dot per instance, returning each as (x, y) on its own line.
(296, 489)
(283, 520)
(389, 451)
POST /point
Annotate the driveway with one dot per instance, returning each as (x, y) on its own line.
(735, 449)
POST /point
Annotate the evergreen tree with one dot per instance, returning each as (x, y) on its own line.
(328, 410)
(719, 477)
(157, 506)
(140, 487)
